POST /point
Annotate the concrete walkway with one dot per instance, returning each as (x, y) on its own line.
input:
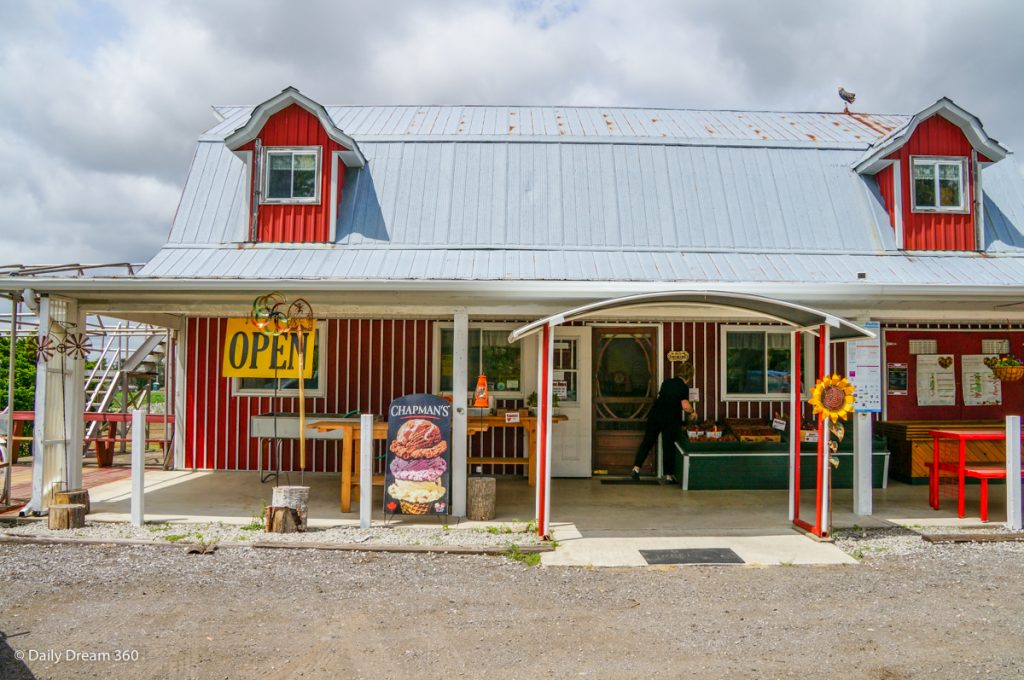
(595, 524)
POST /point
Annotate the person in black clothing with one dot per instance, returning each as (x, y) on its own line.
(666, 419)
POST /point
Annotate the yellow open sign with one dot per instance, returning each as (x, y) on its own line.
(251, 353)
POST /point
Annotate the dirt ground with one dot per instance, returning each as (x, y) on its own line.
(141, 612)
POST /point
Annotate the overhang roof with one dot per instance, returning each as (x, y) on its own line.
(874, 158)
(350, 156)
(797, 316)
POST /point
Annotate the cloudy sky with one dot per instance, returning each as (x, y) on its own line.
(101, 101)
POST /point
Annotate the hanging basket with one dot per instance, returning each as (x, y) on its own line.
(1009, 373)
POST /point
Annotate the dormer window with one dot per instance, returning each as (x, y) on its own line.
(938, 184)
(292, 174)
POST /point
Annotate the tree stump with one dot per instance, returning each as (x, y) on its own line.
(74, 496)
(66, 516)
(295, 497)
(481, 493)
(281, 520)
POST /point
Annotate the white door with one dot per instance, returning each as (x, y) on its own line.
(571, 373)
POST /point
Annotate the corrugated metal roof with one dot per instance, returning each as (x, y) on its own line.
(505, 195)
(594, 124)
(410, 264)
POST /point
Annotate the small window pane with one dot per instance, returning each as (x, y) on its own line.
(501, 361)
(744, 361)
(778, 363)
(304, 184)
(281, 161)
(924, 185)
(949, 185)
(305, 161)
(279, 184)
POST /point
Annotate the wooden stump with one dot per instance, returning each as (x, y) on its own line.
(481, 493)
(295, 497)
(66, 516)
(282, 520)
(74, 496)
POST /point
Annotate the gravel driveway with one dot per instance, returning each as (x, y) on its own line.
(910, 610)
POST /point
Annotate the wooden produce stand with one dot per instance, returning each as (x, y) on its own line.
(911, 445)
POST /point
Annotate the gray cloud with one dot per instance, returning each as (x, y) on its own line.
(101, 102)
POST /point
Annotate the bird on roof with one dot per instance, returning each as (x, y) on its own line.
(847, 97)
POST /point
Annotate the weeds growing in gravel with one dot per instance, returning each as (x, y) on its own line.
(174, 538)
(258, 521)
(529, 559)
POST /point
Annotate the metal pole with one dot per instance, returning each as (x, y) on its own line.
(365, 469)
(138, 513)
(11, 444)
(1013, 507)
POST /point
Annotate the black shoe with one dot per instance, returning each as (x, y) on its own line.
(634, 475)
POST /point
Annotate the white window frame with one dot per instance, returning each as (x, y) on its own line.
(484, 326)
(321, 388)
(723, 358)
(318, 180)
(937, 161)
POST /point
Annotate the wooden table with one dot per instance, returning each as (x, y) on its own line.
(980, 471)
(350, 434)
(350, 431)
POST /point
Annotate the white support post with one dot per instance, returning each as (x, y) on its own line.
(365, 469)
(862, 459)
(74, 406)
(794, 420)
(460, 396)
(138, 467)
(180, 404)
(1013, 489)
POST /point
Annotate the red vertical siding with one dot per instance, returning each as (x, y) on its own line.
(954, 343)
(367, 364)
(885, 187)
(299, 223)
(935, 231)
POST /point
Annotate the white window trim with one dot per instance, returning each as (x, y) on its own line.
(485, 326)
(963, 208)
(321, 388)
(722, 383)
(265, 193)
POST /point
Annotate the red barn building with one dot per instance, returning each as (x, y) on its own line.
(425, 236)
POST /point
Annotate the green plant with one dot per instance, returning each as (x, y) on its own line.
(531, 400)
(174, 538)
(258, 520)
(529, 559)
(1004, 361)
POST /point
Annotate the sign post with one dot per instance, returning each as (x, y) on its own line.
(864, 367)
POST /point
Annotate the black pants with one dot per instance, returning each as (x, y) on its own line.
(669, 431)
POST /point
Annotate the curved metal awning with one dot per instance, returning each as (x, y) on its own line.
(788, 313)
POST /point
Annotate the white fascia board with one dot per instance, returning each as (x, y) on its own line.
(874, 159)
(352, 156)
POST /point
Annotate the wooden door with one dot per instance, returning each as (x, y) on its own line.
(624, 389)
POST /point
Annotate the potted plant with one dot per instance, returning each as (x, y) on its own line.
(1007, 367)
(531, 403)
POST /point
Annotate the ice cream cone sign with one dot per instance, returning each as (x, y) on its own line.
(480, 395)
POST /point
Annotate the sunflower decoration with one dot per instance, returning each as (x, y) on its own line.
(833, 397)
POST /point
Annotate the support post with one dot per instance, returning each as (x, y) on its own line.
(365, 469)
(794, 424)
(545, 356)
(460, 394)
(11, 359)
(138, 467)
(1013, 490)
(862, 464)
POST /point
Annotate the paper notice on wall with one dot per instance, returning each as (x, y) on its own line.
(560, 388)
(864, 366)
(936, 380)
(694, 394)
(980, 385)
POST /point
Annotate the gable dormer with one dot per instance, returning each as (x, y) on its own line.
(296, 158)
(929, 175)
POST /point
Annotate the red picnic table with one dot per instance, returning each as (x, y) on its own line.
(980, 471)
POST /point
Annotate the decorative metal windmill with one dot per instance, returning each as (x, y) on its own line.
(273, 315)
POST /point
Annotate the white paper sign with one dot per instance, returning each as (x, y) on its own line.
(935, 380)
(560, 388)
(694, 394)
(864, 368)
(511, 416)
(980, 385)
(779, 424)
